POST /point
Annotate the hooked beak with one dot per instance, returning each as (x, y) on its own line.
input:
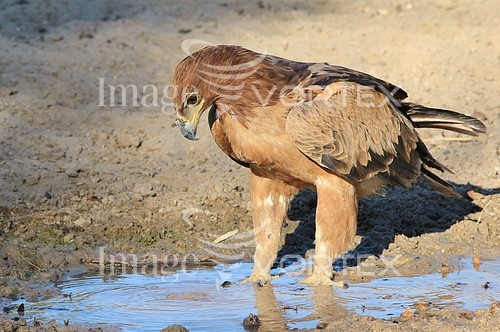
(188, 129)
(189, 124)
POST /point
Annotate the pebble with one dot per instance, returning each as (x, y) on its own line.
(407, 314)
(127, 140)
(174, 328)
(251, 322)
(322, 325)
(69, 238)
(422, 308)
(72, 171)
(144, 189)
(82, 222)
(226, 284)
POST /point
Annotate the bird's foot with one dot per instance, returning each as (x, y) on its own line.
(321, 279)
(260, 279)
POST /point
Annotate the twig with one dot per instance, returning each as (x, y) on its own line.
(225, 236)
(27, 261)
(482, 211)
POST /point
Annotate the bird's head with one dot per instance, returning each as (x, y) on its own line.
(190, 103)
(219, 78)
(191, 98)
(203, 78)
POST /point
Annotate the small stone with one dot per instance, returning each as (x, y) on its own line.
(407, 314)
(174, 328)
(82, 222)
(445, 270)
(68, 238)
(226, 284)
(422, 308)
(383, 12)
(466, 314)
(144, 189)
(252, 322)
(322, 325)
(128, 140)
(72, 171)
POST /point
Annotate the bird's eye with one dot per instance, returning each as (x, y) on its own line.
(192, 99)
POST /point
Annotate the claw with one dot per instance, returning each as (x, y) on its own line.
(317, 279)
(259, 279)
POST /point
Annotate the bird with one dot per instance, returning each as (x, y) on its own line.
(307, 125)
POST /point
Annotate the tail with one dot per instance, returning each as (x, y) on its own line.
(424, 117)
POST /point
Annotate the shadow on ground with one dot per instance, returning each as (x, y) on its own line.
(409, 212)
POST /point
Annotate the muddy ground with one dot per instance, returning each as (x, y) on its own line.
(76, 176)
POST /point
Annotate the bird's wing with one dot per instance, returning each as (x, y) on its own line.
(323, 74)
(356, 131)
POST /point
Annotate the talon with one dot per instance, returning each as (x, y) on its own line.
(323, 280)
(259, 279)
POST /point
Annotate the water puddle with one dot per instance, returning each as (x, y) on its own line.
(466, 289)
(195, 298)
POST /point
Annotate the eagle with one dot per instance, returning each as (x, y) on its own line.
(298, 125)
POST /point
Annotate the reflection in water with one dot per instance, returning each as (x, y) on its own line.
(195, 299)
(269, 310)
(276, 315)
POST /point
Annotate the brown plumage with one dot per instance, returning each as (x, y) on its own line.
(309, 125)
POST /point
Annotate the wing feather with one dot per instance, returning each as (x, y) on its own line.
(324, 74)
(357, 133)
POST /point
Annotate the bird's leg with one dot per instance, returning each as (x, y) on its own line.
(336, 222)
(270, 201)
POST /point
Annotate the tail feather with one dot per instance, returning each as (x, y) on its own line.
(425, 117)
(438, 184)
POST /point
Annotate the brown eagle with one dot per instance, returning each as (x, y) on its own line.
(300, 125)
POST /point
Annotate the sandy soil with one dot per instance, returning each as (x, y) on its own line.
(76, 176)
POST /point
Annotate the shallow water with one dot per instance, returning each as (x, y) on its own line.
(195, 299)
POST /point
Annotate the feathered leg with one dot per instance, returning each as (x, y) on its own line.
(270, 201)
(336, 222)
